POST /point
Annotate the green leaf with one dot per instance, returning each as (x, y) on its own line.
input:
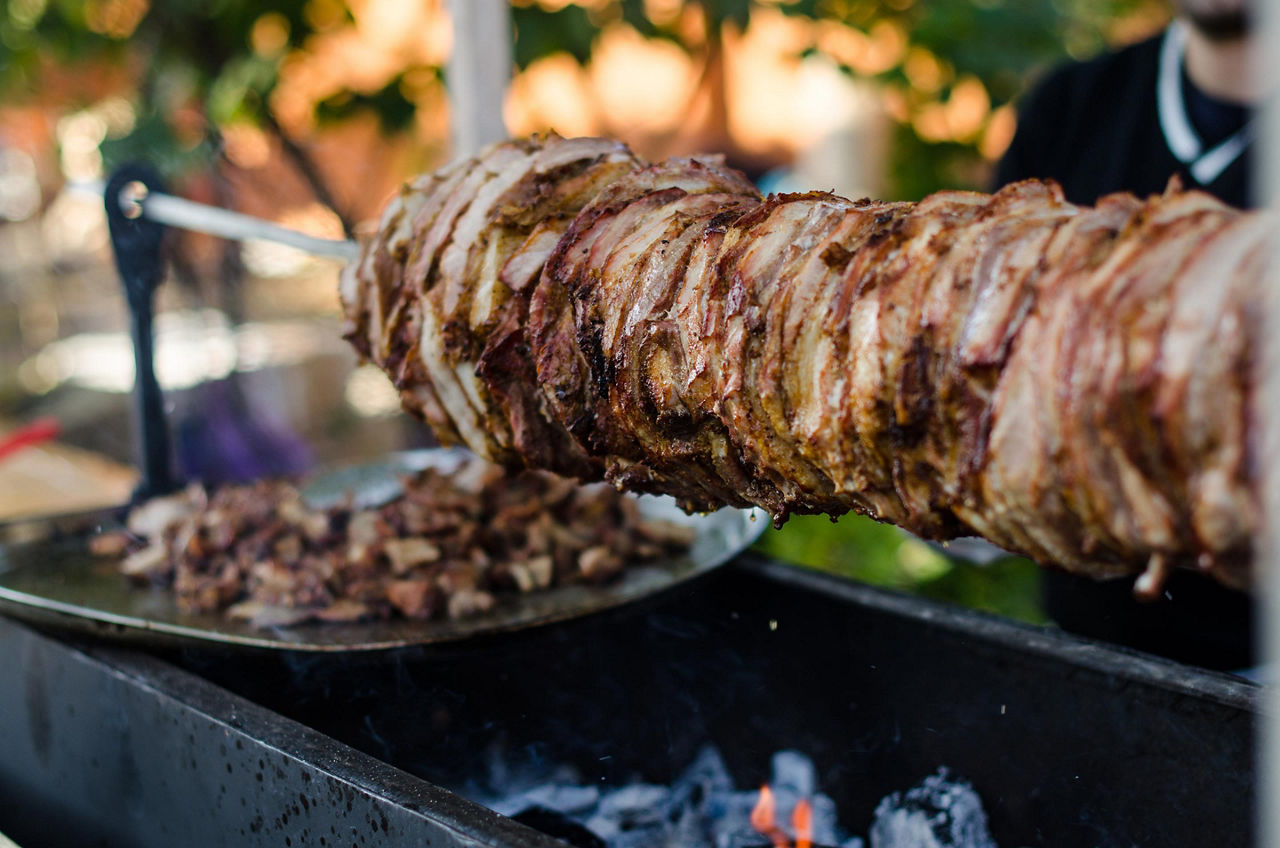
(237, 93)
(153, 141)
(540, 33)
(395, 111)
(737, 12)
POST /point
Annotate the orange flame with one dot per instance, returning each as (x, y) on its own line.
(764, 819)
(802, 823)
(762, 814)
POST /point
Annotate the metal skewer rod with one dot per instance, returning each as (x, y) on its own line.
(136, 201)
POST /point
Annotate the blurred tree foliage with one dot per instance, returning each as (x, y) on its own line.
(182, 54)
(923, 53)
(195, 66)
(947, 70)
(882, 555)
(221, 59)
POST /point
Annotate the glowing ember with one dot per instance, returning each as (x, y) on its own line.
(802, 823)
(703, 809)
(764, 819)
(762, 815)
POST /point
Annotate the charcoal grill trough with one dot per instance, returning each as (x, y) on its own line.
(1066, 741)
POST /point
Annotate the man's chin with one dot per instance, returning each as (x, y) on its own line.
(1222, 26)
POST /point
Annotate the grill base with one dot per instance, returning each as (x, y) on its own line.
(1067, 742)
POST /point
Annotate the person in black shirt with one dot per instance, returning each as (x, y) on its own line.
(1128, 121)
(1177, 104)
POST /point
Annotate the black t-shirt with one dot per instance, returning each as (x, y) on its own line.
(1095, 128)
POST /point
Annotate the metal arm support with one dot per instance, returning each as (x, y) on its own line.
(136, 243)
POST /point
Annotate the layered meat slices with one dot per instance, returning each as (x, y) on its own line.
(1072, 383)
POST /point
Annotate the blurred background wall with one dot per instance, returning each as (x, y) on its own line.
(311, 112)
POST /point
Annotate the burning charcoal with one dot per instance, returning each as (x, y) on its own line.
(826, 820)
(576, 801)
(938, 813)
(705, 783)
(628, 834)
(732, 827)
(649, 837)
(793, 778)
(700, 810)
(560, 826)
(693, 827)
(699, 800)
(634, 804)
(754, 842)
(793, 775)
(633, 816)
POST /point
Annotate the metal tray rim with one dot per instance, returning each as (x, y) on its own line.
(142, 615)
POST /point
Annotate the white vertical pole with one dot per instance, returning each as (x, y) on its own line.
(1267, 63)
(478, 72)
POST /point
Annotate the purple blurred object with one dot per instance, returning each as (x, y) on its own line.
(222, 440)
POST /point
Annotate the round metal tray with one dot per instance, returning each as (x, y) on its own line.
(48, 577)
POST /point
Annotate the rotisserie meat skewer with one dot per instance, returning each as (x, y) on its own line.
(1072, 383)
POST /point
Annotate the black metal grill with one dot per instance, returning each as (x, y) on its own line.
(1067, 742)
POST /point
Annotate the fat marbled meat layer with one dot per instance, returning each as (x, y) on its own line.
(1072, 383)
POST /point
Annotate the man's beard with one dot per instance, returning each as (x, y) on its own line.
(1219, 24)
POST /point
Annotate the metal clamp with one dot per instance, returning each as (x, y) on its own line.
(136, 242)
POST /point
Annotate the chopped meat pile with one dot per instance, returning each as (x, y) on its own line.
(444, 548)
(1073, 383)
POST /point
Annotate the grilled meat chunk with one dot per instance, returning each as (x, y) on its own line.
(448, 545)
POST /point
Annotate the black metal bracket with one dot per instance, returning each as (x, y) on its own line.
(136, 243)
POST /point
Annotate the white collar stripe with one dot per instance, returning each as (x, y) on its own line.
(1178, 132)
(1210, 166)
